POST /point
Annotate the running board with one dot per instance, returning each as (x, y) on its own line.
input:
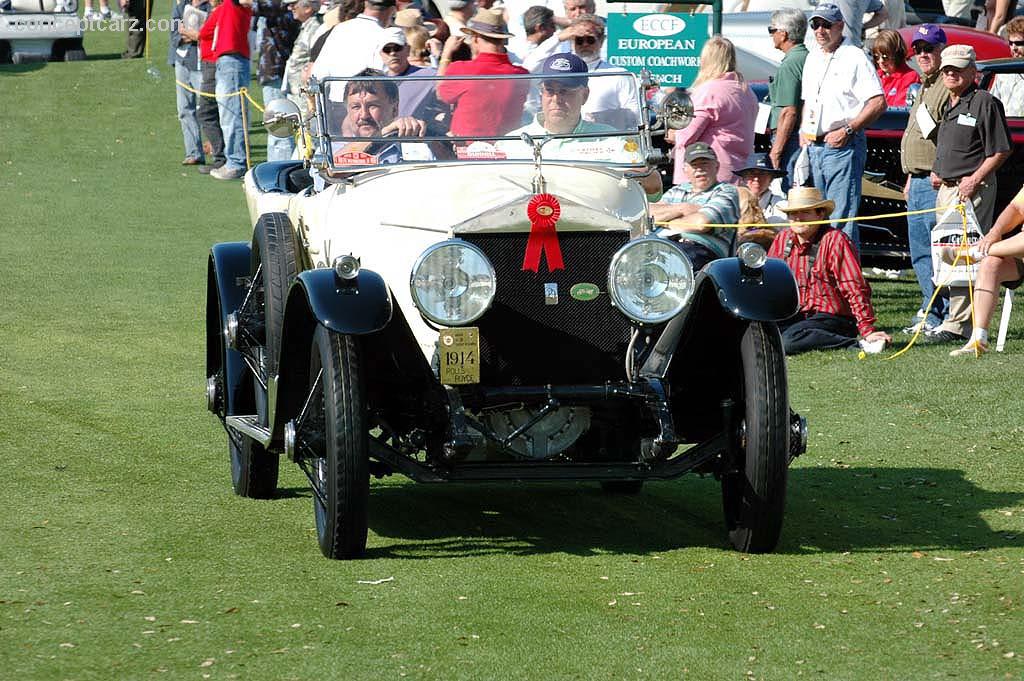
(250, 427)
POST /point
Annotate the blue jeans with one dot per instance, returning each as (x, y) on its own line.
(187, 110)
(232, 75)
(837, 173)
(919, 234)
(278, 148)
(789, 153)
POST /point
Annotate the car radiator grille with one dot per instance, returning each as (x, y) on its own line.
(527, 341)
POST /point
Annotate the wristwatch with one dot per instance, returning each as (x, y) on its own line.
(848, 129)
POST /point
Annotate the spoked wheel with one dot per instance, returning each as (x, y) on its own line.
(274, 264)
(334, 434)
(754, 496)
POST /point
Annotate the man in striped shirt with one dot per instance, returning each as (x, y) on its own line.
(835, 300)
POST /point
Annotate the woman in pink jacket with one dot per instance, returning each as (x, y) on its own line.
(725, 109)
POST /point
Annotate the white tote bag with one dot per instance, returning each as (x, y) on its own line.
(949, 231)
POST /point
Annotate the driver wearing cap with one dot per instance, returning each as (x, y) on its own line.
(561, 102)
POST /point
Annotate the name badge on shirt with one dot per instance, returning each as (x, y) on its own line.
(810, 127)
(966, 119)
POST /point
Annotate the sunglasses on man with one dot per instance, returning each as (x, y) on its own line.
(821, 23)
(393, 48)
(924, 48)
(1016, 43)
(585, 40)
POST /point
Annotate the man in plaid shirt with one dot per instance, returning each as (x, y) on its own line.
(835, 300)
(689, 210)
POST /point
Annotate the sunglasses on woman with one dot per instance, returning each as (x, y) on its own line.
(820, 23)
(882, 56)
(585, 40)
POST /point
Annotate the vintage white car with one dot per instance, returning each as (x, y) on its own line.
(481, 298)
(40, 30)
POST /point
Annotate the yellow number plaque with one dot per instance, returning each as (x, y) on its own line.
(459, 351)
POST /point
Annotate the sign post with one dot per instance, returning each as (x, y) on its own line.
(667, 45)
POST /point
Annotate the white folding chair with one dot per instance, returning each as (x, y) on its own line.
(1004, 320)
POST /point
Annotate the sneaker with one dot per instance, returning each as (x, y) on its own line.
(940, 336)
(976, 347)
(91, 15)
(949, 254)
(109, 15)
(226, 173)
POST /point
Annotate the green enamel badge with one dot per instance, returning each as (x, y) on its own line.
(584, 291)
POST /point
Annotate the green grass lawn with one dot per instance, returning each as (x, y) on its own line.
(126, 556)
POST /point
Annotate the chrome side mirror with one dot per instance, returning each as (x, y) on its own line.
(282, 118)
(675, 110)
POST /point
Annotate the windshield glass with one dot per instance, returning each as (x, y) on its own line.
(589, 119)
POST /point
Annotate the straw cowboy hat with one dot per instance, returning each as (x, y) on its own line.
(805, 198)
(488, 22)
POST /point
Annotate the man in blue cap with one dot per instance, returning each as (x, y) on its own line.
(917, 155)
(561, 102)
(842, 96)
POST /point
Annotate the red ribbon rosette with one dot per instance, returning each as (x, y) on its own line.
(543, 211)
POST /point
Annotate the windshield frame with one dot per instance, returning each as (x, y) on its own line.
(324, 141)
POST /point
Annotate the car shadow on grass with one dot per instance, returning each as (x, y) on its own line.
(829, 510)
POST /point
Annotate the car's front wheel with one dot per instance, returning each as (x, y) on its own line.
(339, 441)
(754, 494)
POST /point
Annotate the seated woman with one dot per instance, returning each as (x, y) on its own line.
(1002, 262)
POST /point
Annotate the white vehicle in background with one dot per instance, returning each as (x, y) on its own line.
(40, 30)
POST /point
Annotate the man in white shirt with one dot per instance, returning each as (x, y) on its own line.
(539, 23)
(353, 45)
(842, 96)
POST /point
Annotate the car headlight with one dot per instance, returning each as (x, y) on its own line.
(453, 283)
(650, 280)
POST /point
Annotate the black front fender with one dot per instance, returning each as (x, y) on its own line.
(356, 307)
(765, 295)
(226, 286)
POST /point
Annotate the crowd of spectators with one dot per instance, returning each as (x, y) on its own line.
(821, 101)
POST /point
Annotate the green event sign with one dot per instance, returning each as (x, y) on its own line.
(667, 45)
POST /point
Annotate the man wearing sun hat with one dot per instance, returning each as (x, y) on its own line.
(973, 141)
(835, 300)
(842, 96)
(482, 107)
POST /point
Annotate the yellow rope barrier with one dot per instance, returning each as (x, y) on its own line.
(243, 95)
(776, 225)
